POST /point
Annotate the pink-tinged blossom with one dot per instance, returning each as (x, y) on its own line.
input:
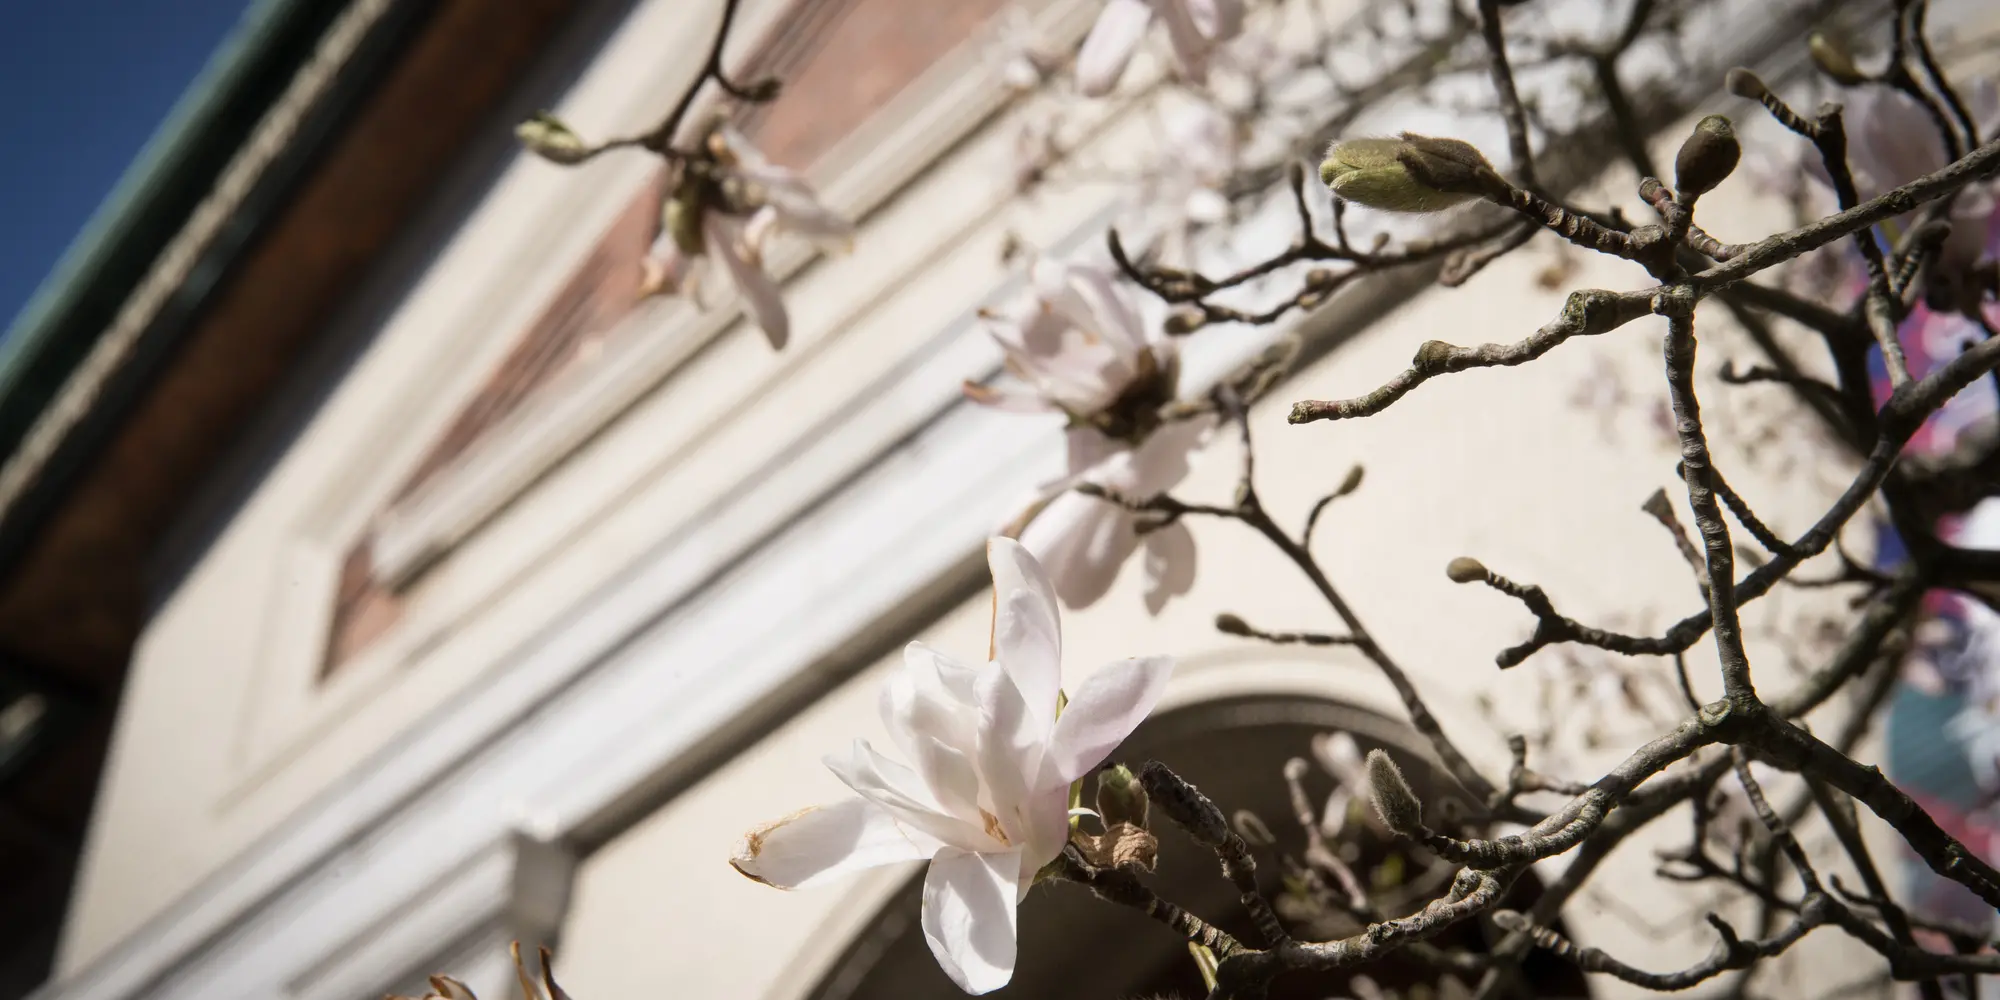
(993, 751)
(1892, 140)
(1085, 540)
(729, 220)
(1195, 28)
(1024, 63)
(1079, 347)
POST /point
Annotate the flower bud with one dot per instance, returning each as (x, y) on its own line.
(1120, 797)
(1832, 58)
(1465, 569)
(546, 136)
(1184, 321)
(1375, 173)
(1746, 84)
(1184, 804)
(763, 90)
(1394, 801)
(1229, 624)
(1350, 483)
(1707, 157)
(680, 219)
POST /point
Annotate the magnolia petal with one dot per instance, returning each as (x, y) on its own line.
(1027, 629)
(1220, 20)
(1160, 462)
(903, 793)
(665, 268)
(1026, 327)
(1170, 565)
(1011, 398)
(1106, 707)
(1020, 73)
(819, 844)
(747, 156)
(1009, 757)
(1088, 447)
(447, 988)
(1113, 39)
(931, 696)
(756, 289)
(1083, 541)
(800, 211)
(968, 919)
(955, 680)
(1341, 757)
(1333, 819)
(1191, 47)
(932, 725)
(1046, 831)
(949, 774)
(1109, 312)
(1088, 301)
(1206, 206)
(549, 979)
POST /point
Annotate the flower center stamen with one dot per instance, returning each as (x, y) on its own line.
(993, 828)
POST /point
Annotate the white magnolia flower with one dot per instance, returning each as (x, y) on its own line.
(1024, 62)
(1194, 27)
(1892, 140)
(1340, 757)
(1079, 346)
(1203, 145)
(994, 755)
(1185, 190)
(1033, 151)
(700, 225)
(1085, 540)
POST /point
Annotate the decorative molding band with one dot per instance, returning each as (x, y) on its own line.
(947, 103)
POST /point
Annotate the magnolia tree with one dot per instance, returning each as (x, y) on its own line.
(1873, 315)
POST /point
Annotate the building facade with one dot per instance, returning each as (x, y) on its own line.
(499, 601)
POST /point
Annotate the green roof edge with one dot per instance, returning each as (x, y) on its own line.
(153, 199)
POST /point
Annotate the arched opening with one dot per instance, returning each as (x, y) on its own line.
(1073, 945)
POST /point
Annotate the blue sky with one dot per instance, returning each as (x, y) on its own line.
(83, 84)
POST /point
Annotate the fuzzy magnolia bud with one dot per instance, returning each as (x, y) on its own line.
(1378, 172)
(546, 136)
(1707, 157)
(680, 219)
(1394, 801)
(1229, 624)
(1184, 804)
(1184, 321)
(1350, 483)
(1120, 797)
(1465, 569)
(1831, 57)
